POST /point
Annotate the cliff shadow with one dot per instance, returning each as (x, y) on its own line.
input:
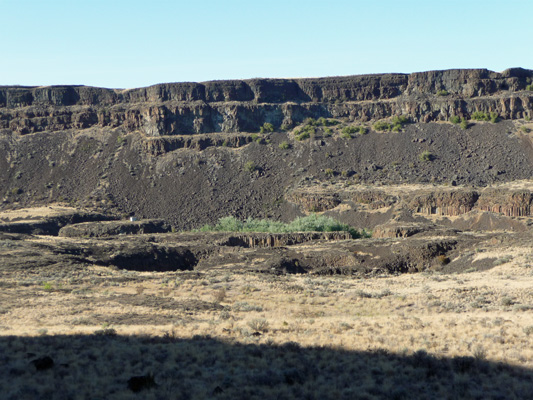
(107, 366)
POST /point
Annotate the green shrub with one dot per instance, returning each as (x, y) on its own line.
(464, 124)
(426, 156)
(346, 135)
(267, 127)
(494, 117)
(443, 92)
(400, 120)
(329, 172)
(250, 166)
(284, 145)
(305, 132)
(530, 88)
(455, 119)
(382, 126)
(310, 122)
(310, 223)
(480, 116)
(325, 122)
(525, 129)
(328, 132)
(303, 135)
(396, 125)
(348, 131)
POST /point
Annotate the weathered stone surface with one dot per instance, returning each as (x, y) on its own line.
(254, 240)
(243, 106)
(112, 228)
(46, 220)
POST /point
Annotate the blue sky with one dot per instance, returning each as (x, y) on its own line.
(124, 44)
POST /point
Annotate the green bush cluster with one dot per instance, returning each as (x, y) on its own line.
(284, 145)
(382, 126)
(321, 122)
(464, 124)
(266, 128)
(529, 87)
(455, 119)
(348, 131)
(396, 125)
(310, 126)
(307, 130)
(481, 116)
(310, 223)
(304, 133)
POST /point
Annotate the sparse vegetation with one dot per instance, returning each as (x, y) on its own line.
(306, 131)
(382, 126)
(284, 145)
(482, 116)
(455, 119)
(443, 92)
(348, 131)
(396, 125)
(250, 166)
(426, 156)
(266, 128)
(311, 127)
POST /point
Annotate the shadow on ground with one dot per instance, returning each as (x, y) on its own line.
(106, 366)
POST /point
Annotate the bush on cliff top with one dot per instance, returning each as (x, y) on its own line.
(310, 223)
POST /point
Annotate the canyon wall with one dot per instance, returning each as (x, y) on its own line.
(244, 106)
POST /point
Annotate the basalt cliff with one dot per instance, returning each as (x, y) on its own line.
(367, 149)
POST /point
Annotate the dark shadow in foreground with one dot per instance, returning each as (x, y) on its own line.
(107, 366)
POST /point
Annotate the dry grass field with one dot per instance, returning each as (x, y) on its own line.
(224, 334)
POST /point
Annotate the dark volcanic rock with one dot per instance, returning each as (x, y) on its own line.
(111, 228)
(237, 106)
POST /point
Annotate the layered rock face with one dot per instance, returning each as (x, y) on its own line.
(243, 106)
(423, 200)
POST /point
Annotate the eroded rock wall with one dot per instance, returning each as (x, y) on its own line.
(429, 201)
(243, 106)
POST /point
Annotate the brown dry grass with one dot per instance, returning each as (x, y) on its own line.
(483, 315)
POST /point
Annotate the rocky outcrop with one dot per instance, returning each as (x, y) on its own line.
(38, 223)
(423, 200)
(244, 106)
(512, 203)
(112, 228)
(160, 145)
(255, 240)
(314, 202)
(442, 202)
(399, 230)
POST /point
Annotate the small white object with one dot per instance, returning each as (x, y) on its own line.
(133, 219)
